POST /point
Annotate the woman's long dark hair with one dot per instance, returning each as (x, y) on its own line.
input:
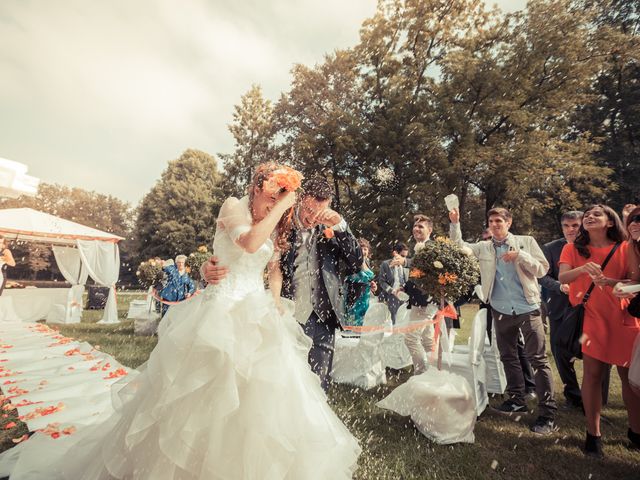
(616, 232)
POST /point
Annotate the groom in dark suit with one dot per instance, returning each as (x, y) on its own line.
(320, 242)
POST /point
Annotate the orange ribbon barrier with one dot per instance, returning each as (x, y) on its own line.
(154, 294)
(448, 311)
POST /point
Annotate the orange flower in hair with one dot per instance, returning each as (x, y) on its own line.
(283, 178)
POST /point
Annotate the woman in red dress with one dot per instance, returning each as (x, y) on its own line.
(608, 337)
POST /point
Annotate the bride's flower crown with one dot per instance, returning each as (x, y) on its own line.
(283, 178)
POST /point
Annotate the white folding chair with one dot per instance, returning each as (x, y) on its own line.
(496, 378)
(357, 361)
(471, 364)
(395, 353)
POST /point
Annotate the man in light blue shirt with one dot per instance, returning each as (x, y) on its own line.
(510, 266)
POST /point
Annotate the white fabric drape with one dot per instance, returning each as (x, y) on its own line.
(70, 265)
(102, 261)
(73, 270)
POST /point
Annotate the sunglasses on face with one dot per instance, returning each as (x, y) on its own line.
(635, 218)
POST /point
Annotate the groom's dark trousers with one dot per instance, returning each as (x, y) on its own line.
(321, 353)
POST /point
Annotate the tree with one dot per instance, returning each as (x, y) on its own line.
(252, 130)
(447, 96)
(508, 95)
(613, 116)
(320, 121)
(179, 212)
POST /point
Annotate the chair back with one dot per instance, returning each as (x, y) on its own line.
(477, 338)
(402, 315)
(375, 318)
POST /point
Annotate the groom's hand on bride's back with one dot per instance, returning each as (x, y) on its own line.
(213, 272)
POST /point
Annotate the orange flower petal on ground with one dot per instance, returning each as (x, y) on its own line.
(120, 372)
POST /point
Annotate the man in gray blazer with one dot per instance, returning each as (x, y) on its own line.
(393, 275)
(311, 271)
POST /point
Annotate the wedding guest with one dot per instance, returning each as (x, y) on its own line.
(359, 287)
(419, 341)
(510, 266)
(6, 260)
(626, 210)
(179, 285)
(606, 337)
(558, 302)
(393, 275)
(633, 256)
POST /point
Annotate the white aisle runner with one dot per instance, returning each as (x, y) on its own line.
(57, 384)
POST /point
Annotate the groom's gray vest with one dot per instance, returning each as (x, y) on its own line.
(311, 272)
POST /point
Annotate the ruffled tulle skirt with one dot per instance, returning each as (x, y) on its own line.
(226, 394)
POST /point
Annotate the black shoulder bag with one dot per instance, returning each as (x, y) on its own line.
(570, 329)
(634, 307)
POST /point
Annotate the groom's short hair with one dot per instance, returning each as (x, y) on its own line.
(318, 188)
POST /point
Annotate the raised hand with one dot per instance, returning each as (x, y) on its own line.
(398, 260)
(329, 217)
(287, 200)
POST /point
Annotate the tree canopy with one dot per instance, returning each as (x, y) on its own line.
(536, 111)
(179, 212)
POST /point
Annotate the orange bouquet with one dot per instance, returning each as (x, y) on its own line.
(283, 178)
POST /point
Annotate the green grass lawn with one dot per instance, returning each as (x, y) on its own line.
(394, 449)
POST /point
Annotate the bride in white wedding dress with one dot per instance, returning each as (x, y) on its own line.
(227, 393)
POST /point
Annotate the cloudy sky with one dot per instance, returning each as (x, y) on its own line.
(101, 94)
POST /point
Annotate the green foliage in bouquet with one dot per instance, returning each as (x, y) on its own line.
(150, 273)
(442, 269)
(195, 261)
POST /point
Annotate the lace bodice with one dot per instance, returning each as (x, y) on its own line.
(246, 270)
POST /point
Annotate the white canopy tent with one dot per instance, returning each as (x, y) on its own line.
(80, 251)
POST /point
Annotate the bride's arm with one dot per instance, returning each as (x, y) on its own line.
(254, 238)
